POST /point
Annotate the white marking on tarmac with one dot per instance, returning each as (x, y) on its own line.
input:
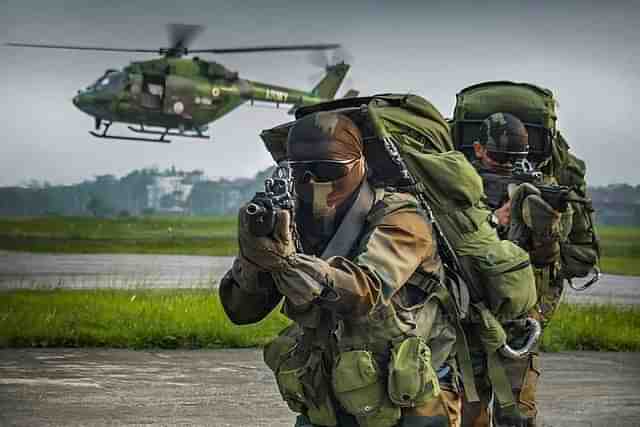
(46, 381)
(223, 370)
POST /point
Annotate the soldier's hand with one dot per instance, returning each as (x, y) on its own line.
(519, 232)
(517, 197)
(268, 253)
(535, 225)
(544, 222)
(503, 213)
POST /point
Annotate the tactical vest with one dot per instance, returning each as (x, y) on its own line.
(373, 365)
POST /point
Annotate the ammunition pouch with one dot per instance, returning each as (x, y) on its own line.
(412, 380)
(301, 378)
(359, 386)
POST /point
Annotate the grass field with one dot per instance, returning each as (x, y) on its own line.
(125, 319)
(620, 249)
(210, 236)
(160, 235)
(195, 319)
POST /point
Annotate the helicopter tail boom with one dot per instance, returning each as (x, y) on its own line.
(329, 85)
(325, 90)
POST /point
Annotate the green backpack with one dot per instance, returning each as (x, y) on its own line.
(533, 105)
(408, 147)
(536, 108)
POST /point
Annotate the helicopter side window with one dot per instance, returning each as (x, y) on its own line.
(152, 91)
(155, 89)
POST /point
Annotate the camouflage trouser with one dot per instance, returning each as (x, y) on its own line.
(524, 373)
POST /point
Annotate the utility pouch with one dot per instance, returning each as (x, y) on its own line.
(412, 380)
(359, 387)
(507, 276)
(303, 385)
(300, 377)
(578, 260)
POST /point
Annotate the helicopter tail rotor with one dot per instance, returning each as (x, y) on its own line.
(334, 70)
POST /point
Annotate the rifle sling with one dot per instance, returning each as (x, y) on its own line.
(351, 226)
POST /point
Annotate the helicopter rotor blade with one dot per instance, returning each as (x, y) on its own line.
(182, 35)
(341, 55)
(319, 58)
(68, 47)
(272, 48)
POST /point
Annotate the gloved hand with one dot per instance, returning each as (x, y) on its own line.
(270, 253)
(542, 222)
(519, 232)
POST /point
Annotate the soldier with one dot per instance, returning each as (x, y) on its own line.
(370, 344)
(532, 223)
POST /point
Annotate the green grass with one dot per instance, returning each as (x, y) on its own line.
(620, 249)
(594, 327)
(211, 236)
(195, 319)
(125, 319)
(159, 235)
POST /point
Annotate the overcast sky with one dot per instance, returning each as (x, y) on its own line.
(587, 52)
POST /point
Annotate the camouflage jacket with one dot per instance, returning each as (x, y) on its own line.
(377, 297)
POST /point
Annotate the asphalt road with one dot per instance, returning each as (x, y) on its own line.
(89, 387)
(29, 270)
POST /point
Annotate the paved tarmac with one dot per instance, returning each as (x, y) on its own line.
(93, 387)
(44, 271)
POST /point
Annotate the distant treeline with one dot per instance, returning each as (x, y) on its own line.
(133, 194)
(616, 204)
(145, 191)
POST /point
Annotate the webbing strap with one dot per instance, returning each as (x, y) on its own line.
(351, 226)
(499, 381)
(462, 347)
(465, 365)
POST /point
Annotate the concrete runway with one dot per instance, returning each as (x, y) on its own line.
(44, 271)
(92, 387)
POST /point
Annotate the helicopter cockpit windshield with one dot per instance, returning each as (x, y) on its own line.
(111, 81)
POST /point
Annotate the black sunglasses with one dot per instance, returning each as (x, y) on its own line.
(507, 156)
(322, 170)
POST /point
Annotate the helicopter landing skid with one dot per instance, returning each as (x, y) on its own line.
(196, 135)
(104, 135)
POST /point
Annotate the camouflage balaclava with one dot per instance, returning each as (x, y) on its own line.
(326, 136)
(504, 136)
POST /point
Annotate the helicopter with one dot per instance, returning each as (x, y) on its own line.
(178, 96)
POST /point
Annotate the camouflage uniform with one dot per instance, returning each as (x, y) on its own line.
(544, 229)
(383, 288)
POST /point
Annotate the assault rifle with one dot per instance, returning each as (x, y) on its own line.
(496, 188)
(277, 194)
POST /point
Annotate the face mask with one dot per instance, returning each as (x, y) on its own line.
(323, 215)
(325, 198)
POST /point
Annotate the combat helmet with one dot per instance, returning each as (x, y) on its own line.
(505, 137)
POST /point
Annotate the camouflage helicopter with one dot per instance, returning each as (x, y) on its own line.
(177, 96)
